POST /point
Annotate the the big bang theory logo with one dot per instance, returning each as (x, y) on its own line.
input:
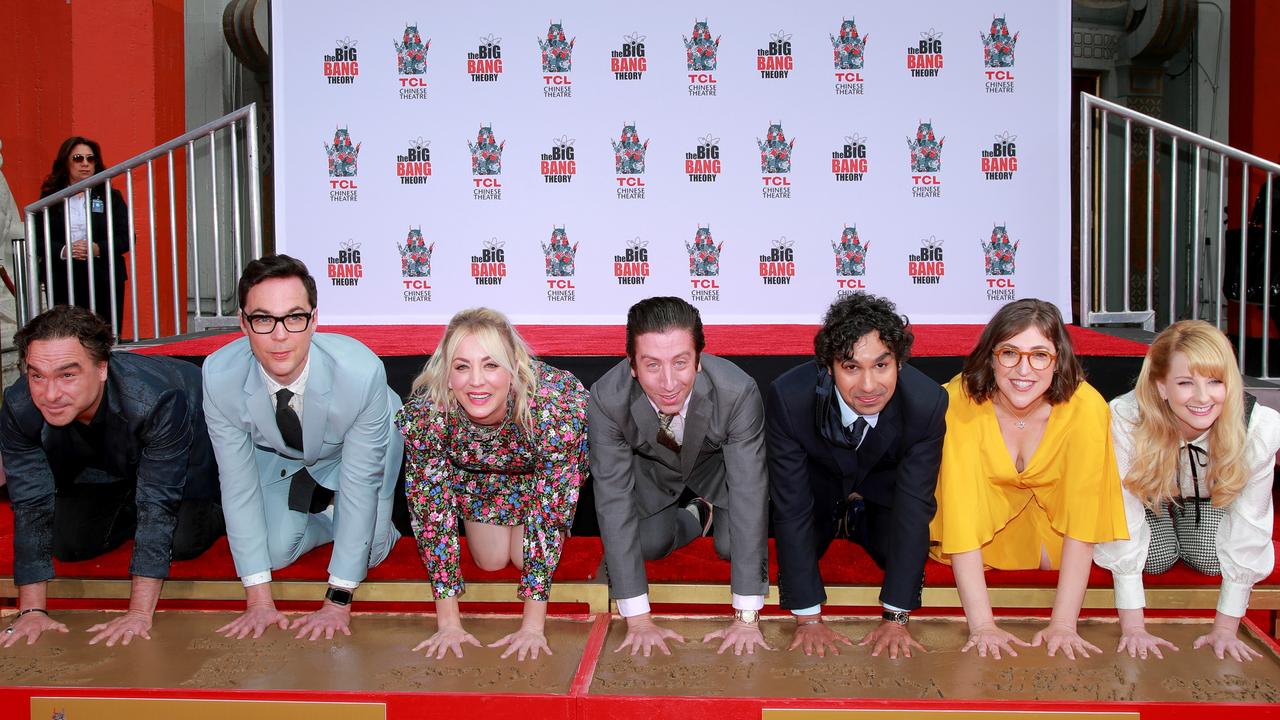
(557, 62)
(559, 257)
(558, 165)
(849, 52)
(924, 59)
(1001, 161)
(490, 266)
(703, 164)
(411, 63)
(700, 53)
(345, 269)
(925, 266)
(413, 166)
(342, 67)
(485, 64)
(774, 61)
(849, 163)
(632, 266)
(779, 266)
(343, 156)
(997, 56)
(629, 62)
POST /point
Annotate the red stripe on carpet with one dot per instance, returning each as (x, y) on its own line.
(610, 340)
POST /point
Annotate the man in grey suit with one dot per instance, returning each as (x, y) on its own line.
(301, 424)
(668, 421)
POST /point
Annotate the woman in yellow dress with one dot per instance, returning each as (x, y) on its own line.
(1028, 477)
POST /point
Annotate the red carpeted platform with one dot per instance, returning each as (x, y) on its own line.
(610, 340)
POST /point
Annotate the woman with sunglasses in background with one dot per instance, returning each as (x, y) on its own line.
(1197, 455)
(79, 158)
(1028, 477)
(498, 439)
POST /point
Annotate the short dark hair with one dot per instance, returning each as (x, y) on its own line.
(270, 267)
(66, 321)
(663, 314)
(855, 315)
(979, 374)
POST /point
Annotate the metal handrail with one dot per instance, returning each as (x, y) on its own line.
(1196, 148)
(30, 280)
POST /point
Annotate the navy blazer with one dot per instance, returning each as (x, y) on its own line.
(812, 471)
(153, 430)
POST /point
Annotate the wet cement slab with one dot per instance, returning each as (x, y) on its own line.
(694, 669)
(185, 652)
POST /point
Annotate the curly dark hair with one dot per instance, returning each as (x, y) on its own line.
(270, 267)
(855, 315)
(660, 315)
(59, 175)
(979, 374)
(66, 321)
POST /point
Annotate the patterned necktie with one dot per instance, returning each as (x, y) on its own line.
(854, 434)
(666, 437)
(287, 420)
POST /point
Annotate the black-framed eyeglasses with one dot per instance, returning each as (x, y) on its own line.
(83, 158)
(264, 324)
(1037, 359)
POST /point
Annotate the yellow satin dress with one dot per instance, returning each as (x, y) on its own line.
(1069, 487)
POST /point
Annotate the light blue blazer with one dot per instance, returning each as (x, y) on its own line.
(351, 446)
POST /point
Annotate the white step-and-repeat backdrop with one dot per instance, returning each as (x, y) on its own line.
(755, 158)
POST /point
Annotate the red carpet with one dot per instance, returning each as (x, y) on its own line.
(610, 340)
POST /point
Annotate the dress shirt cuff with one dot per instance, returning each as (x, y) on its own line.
(63, 254)
(1233, 598)
(335, 581)
(256, 578)
(748, 602)
(893, 608)
(630, 607)
(1129, 592)
(814, 610)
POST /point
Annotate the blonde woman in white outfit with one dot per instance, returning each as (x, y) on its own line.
(1197, 455)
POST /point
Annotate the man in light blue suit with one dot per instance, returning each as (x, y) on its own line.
(302, 427)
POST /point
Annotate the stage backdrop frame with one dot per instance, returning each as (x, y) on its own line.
(757, 161)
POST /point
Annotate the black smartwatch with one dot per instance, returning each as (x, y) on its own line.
(901, 617)
(338, 596)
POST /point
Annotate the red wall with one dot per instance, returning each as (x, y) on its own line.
(1255, 105)
(111, 71)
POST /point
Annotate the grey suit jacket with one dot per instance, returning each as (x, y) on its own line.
(722, 459)
(349, 440)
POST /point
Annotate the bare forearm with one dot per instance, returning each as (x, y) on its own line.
(34, 595)
(259, 595)
(535, 615)
(447, 613)
(971, 583)
(1226, 623)
(1073, 577)
(1131, 620)
(144, 595)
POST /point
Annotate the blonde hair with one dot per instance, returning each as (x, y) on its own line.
(502, 343)
(1156, 439)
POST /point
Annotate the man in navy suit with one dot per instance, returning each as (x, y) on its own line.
(854, 440)
(302, 426)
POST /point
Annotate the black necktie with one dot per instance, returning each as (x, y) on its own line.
(666, 437)
(856, 431)
(287, 420)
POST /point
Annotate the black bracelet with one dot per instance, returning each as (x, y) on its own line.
(31, 610)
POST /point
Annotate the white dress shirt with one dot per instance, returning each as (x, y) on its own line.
(1245, 552)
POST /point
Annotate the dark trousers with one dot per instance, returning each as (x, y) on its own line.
(94, 518)
(866, 524)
